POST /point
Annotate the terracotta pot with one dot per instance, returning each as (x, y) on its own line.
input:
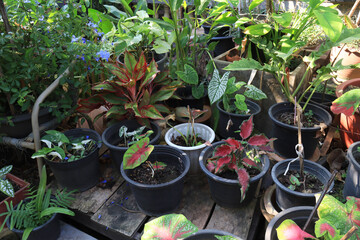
(18, 196)
(348, 56)
(349, 126)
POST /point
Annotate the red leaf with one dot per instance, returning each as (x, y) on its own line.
(210, 166)
(222, 150)
(221, 162)
(232, 164)
(137, 153)
(151, 112)
(266, 148)
(258, 140)
(325, 227)
(244, 179)
(246, 128)
(249, 162)
(235, 144)
(337, 109)
(288, 230)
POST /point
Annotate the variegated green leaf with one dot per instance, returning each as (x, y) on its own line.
(217, 86)
(6, 188)
(5, 170)
(254, 93)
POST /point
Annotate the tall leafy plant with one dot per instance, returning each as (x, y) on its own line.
(38, 208)
(133, 93)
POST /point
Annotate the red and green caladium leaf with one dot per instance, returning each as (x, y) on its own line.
(137, 153)
(246, 128)
(244, 179)
(347, 103)
(340, 216)
(326, 230)
(168, 227)
(288, 230)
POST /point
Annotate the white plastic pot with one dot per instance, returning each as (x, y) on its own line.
(193, 153)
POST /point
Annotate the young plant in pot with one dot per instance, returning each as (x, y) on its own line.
(132, 98)
(37, 216)
(281, 49)
(191, 138)
(232, 162)
(73, 157)
(12, 189)
(233, 107)
(334, 220)
(177, 226)
(155, 175)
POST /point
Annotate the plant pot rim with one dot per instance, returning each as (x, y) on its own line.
(339, 91)
(350, 153)
(25, 116)
(162, 149)
(299, 194)
(111, 128)
(212, 232)
(98, 140)
(217, 178)
(239, 115)
(171, 131)
(304, 129)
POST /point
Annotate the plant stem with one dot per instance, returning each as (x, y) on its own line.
(349, 233)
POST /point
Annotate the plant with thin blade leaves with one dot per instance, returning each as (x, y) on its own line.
(63, 149)
(133, 93)
(226, 89)
(238, 155)
(5, 185)
(37, 208)
(335, 220)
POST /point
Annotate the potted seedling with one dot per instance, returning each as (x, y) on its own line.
(191, 138)
(37, 216)
(155, 175)
(7, 192)
(233, 107)
(73, 156)
(235, 167)
(177, 226)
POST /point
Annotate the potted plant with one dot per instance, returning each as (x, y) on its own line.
(39, 37)
(233, 107)
(351, 186)
(294, 189)
(132, 95)
(285, 46)
(37, 216)
(191, 138)
(347, 105)
(155, 175)
(7, 191)
(177, 226)
(334, 220)
(228, 165)
(73, 157)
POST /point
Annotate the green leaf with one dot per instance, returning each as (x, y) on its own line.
(175, 5)
(283, 19)
(137, 153)
(42, 152)
(294, 180)
(240, 103)
(244, 64)
(254, 4)
(56, 137)
(6, 188)
(5, 170)
(189, 75)
(331, 24)
(198, 91)
(258, 29)
(201, 6)
(151, 112)
(254, 93)
(53, 210)
(217, 86)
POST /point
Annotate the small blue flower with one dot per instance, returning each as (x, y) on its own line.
(99, 216)
(95, 30)
(100, 34)
(77, 56)
(66, 158)
(102, 88)
(104, 54)
(83, 40)
(107, 228)
(89, 67)
(97, 59)
(48, 31)
(41, 18)
(74, 39)
(87, 137)
(27, 1)
(104, 181)
(100, 21)
(67, 15)
(91, 24)
(37, 2)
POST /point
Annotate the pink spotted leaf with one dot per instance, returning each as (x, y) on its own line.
(288, 230)
(246, 128)
(137, 153)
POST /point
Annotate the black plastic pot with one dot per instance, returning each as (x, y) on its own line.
(236, 119)
(186, 99)
(352, 181)
(209, 234)
(226, 192)
(225, 42)
(321, 100)
(159, 199)
(22, 124)
(286, 198)
(49, 230)
(298, 214)
(81, 174)
(110, 138)
(286, 135)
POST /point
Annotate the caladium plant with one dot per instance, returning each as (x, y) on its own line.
(347, 104)
(335, 220)
(238, 155)
(5, 185)
(134, 91)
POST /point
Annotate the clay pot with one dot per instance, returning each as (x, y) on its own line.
(349, 56)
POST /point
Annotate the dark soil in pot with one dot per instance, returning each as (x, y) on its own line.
(143, 174)
(308, 183)
(179, 140)
(233, 176)
(308, 119)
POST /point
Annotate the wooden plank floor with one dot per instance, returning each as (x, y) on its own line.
(113, 212)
